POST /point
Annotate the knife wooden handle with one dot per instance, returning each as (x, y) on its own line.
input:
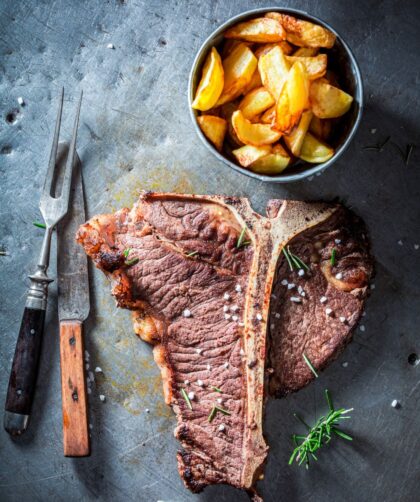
(24, 372)
(73, 390)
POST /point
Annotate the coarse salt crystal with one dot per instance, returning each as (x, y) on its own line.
(301, 272)
(339, 276)
(225, 308)
(277, 315)
(400, 243)
(186, 382)
(208, 367)
(191, 395)
(241, 324)
(345, 364)
(226, 365)
(220, 400)
(221, 427)
(241, 352)
(234, 308)
(373, 131)
(110, 46)
(295, 299)
(259, 317)
(284, 282)
(300, 289)
(186, 313)
(272, 326)
(226, 296)
(323, 299)
(199, 351)
(235, 318)
(89, 390)
(90, 426)
(98, 369)
(91, 376)
(238, 288)
(416, 246)
(302, 293)
(200, 383)
(363, 314)
(21, 101)
(87, 356)
(337, 241)
(395, 404)
(362, 327)
(290, 286)
(328, 311)
(102, 398)
(87, 366)
(227, 316)
(372, 286)
(147, 410)
(342, 319)
(274, 297)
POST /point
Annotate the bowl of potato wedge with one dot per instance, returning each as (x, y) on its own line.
(276, 94)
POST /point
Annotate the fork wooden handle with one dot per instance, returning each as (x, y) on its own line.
(73, 390)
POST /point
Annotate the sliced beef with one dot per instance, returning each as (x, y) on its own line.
(203, 300)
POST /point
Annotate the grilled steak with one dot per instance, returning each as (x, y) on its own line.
(197, 272)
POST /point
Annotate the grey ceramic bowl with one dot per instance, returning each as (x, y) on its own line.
(340, 60)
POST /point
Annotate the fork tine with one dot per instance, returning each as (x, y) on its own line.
(53, 155)
(65, 192)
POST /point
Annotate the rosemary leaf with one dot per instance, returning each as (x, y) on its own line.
(329, 400)
(130, 263)
(193, 253)
(289, 261)
(342, 434)
(126, 252)
(410, 148)
(212, 414)
(39, 225)
(186, 398)
(241, 237)
(222, 410)
(333, 257)
(310, 366)
(215, 388)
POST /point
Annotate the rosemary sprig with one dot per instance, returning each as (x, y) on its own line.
(293, 260)
(130, 263)
(333, 257)
(378, 147)
(186, 398)
(193, 253)
(241, 242)
(405, 155)
(126, 252)
(39, 225)
(214, 411)
(409, 151)
(320, 434)
(310, 365)
(215, 388)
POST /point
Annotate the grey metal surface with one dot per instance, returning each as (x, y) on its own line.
(135, 133)
(72, 268)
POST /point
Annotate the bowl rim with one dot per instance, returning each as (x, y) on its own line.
(317, 168)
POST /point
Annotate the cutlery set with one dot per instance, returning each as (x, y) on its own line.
(62, 207)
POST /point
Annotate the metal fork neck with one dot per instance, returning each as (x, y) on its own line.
(38, 289)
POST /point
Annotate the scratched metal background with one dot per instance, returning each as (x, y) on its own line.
(135, 134)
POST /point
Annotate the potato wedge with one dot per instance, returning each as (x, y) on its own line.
(214, 129)
(255, 82)
(274, 70)
(256, 102)
(295, 139)
(306, 52)
(327, 101)
(263, 49)
(293, 99)
(226, 112)
(273, 163)
(211, 84)
(261, 30)
(248, 154)
(230, 45)
(269, 115)
(321, 128)
(315, 67)
(238, 69)
(314, 151)
(303, 33)
(253, 134)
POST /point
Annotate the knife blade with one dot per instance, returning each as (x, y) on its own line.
(73, 309)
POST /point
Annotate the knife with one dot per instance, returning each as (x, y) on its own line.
(73, 309)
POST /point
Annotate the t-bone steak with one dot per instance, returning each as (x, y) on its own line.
(209, 285)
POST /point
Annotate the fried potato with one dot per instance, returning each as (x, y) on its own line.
(230, 45)
(255, 82)
(273, 163)
(226, 112)
(253, 134)
(306, 52)
(261, 30)
(238, 69)
(315, 67)
(314, 151)
(321, 128)
(293, 99)
(327, 101)
(214, 129)
(273, 69)
(303, 33)
(263, 49)
(211, 84)
(248, 154)
(294, 140)
(256, 102)
(269, 115)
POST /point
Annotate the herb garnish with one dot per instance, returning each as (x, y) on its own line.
(187, 399)
(214, 411)
(126, 252)
(294, 261)
(378, 147)
(193, 253)
(405, 155)
(130, 263)
(310, 365)
(333, 257)
(215, 388)
(319, 435)
(241, 241)
(39, 225)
